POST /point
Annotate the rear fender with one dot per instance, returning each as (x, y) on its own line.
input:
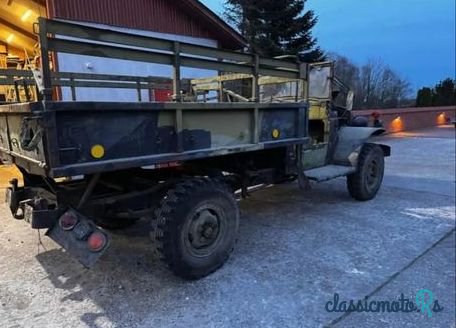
(351, 140)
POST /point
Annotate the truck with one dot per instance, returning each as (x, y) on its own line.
(183, 164)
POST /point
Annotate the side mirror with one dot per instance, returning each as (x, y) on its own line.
(350, 100)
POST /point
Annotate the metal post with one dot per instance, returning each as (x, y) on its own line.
(16, 90)
(73, 88)
(138, 84)
(255, 79)
(256, 124)
(45, 66)
(177, 73)
(304, 76)
(26, 90)
(220, 89)
(88, 192)
(179, 129)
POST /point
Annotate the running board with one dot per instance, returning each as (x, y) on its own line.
(329, 172)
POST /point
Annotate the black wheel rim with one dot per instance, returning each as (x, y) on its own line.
(372, 174)
(203, 231)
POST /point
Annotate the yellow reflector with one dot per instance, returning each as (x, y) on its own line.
(275, 133)
(97, 151)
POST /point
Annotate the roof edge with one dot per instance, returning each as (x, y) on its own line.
(229, 31)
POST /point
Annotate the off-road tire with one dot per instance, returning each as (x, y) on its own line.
(177, 222)
(365, 183)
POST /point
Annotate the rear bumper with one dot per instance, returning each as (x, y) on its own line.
(33, 205)
(38, 207)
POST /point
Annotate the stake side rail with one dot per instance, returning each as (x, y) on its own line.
(64, 37)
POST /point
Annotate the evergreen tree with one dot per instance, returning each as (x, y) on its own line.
(425, 97)
(443, 94)
(276, 27)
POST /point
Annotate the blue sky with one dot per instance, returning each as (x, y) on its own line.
(415, 37)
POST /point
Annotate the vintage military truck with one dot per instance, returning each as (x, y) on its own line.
(91, 166)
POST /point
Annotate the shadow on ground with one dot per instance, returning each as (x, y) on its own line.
(295, 247)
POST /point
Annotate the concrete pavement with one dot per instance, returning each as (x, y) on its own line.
(295, 251)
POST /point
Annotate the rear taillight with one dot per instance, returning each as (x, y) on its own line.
(97, 241)
(68, 221)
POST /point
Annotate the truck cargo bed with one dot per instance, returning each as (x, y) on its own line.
(60, 139)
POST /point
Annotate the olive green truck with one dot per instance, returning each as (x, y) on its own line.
(182, 164)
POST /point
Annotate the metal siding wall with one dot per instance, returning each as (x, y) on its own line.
(155, 15)
(101, 65)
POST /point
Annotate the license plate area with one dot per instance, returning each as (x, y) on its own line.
(75, 240)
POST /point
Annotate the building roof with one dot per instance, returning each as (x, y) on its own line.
(224, 31)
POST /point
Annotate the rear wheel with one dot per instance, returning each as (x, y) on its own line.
(365, 183)
(195, 227)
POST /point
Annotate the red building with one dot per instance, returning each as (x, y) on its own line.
(180, 20)
(180, 17)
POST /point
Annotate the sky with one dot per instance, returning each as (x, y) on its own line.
(415, 37)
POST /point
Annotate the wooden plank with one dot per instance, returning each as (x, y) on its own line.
(96, 84)
(106, 35)
(279, 73)
(276, 63)
(216, 65)
(209, 58)
(170, 106)
(123, 38)
(98, 50)
(196, 50)
(110, 77)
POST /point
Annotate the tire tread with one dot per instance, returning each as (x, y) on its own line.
(164, 217)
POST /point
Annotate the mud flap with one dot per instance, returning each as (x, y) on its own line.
(75, 240)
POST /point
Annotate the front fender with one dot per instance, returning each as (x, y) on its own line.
(350, 141)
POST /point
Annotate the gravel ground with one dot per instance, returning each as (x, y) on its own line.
(295, 251)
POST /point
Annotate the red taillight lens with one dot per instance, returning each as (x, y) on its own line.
(68, 221)
(97, 241)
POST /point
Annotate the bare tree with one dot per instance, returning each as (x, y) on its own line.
(376, 85)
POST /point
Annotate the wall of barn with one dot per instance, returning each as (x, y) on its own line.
(99, 65)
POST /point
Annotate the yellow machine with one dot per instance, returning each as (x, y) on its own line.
(330, 101)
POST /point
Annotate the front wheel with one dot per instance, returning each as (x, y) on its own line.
(364, 184)
(195, 227)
